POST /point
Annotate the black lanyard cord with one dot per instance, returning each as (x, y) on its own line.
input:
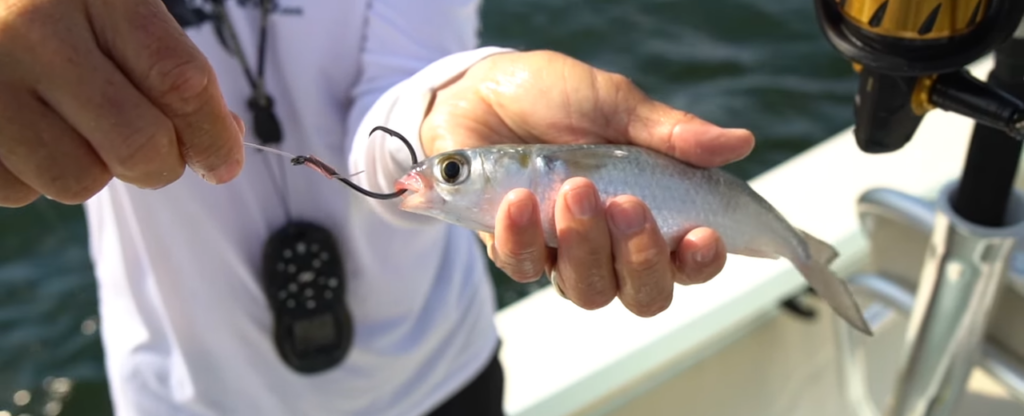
(261, 104)
(267, 127)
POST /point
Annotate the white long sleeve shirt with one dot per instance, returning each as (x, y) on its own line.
(185, 325)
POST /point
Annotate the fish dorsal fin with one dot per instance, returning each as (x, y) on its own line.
(583, 159)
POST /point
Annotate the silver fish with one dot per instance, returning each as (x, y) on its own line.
(465, 187)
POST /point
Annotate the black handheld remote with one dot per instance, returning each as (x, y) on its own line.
(304, 283)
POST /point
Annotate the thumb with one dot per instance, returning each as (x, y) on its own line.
(639, 120)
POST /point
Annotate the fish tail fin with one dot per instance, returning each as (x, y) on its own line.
(828, 285)
(820, 251)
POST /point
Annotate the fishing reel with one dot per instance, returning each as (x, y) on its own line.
(910, 56)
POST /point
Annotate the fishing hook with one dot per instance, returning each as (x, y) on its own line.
(328, 171)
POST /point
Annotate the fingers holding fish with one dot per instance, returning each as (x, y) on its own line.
(633, 117)
(488, 242)
(15, 193)
(519, 247)
(703, 144)
(685, 136)
(700, 256)
(586, 272)
(642, 257)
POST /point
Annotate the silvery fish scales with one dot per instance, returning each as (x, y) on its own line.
(466, 187)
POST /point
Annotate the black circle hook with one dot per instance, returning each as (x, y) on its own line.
(319, 165)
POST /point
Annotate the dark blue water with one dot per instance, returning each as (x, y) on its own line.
(741, 63)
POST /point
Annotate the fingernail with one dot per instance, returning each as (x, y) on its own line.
(627, 218)
(735, 157)
(223, 173)
(153, 188)
(239, 124)
(521, 211)
(581, 202)
(732, 130)
(704, 255)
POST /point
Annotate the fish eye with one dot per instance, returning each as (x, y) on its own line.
(452, 169)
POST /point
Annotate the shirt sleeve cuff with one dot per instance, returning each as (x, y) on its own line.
(384, 159)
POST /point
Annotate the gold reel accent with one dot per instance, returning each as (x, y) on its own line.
(915, 19)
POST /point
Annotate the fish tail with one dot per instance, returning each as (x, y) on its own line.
(828, 285)
(820, 251)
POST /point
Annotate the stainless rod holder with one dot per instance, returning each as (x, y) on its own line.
(963, 270)
(895, 300)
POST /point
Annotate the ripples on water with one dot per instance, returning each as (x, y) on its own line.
(741, 63)
(49, 340)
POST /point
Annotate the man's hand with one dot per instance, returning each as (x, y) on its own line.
(95, 89)
(604, 250)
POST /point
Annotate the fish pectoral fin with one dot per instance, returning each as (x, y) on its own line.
(820, 251)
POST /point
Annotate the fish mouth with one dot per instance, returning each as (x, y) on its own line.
(413, 203)
(410, 182)
(413, 198)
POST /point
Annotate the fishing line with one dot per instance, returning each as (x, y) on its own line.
(328, 171)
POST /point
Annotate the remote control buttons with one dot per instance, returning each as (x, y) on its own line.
(303, 273)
